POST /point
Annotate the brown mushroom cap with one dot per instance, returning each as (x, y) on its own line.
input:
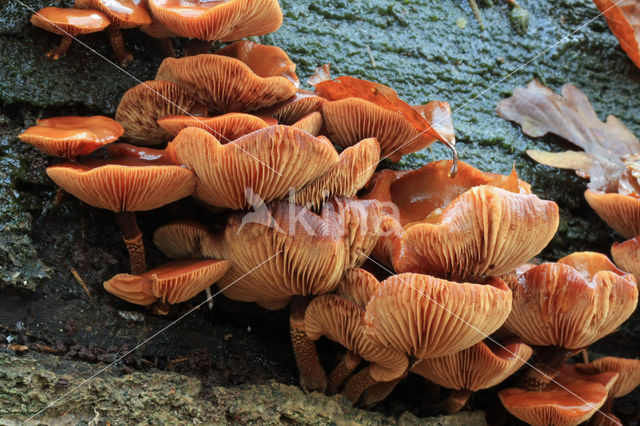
(173, 282)
(353, 169)
(358, 109)
(479, 367)
(308, 253)
(627, 256)
(269, 161)
(69, 137)
(572, 303)
(342, 321)
(70, 22)
(225, 128)
(296, 107)
(570, 400)
(181, 240)
(122, 13)
(427, 317)
(142, 105)
(629, 370)
(358, 286)
(126, 183)
(621, 212)
(218, 20)
(227, 84)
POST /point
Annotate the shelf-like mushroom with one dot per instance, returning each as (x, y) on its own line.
(69, 23)
(71, 136)
(133, 180)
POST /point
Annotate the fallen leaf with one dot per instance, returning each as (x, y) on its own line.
(606, 144)
(322, 73)
(623, 17)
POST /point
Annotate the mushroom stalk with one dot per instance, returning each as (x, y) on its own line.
(196, 47)
(117, 43)
(57, 52)
(345, 367)
(167, 47)
(548, 360)
(357, 384)
(133, 239)
(455, 401)
(312, 375)
(378, 392)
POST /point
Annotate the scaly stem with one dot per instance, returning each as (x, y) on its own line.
(312, 375)
(117, 43)
(455, 401)
(345, 367)
(357, 384)
(378, 392)
(57, 52)
(133, 239)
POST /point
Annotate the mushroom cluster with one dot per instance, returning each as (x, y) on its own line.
(416, 271)
(203, 21)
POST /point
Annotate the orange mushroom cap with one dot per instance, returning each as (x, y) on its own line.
(572, 303)
(629, 370)
(181, 239)
(135, 181)
(70, 22)
(260, 166)
(142, 105)
(308, 253)
(358, 286)
(227, 84)
(627, 256)
(353, 169)
(620, 211)
(358, 109)
(296, 107)
(312, 123)
(342, 321)
(427, 317)
(570, 400)
(218, 20)
(623, 17)
(69, 137)
(479, 367)
(122, 13)
(265, 61)
(173, 282)
(225, 128)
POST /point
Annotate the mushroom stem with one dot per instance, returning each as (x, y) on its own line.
(345, 367)
(59, 51)
(357, 384)
(117, 43)
(133, 239)
(455, 401)
(167, 46)
(312, 375)
(548, 360)
(196, 47)
(378, 392)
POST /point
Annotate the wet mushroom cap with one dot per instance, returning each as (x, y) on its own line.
(621, 212)
(69, 137)
(555, 304)
(70, 22)
(629, 370)
(259, 167)
(479, 367)
(218, 20)
(173, 282)
(124, 184)
(225, 128)
(427, 317)
(227, 84)
(569, 400)
(122, 13)
(142, 105)
(342, 321)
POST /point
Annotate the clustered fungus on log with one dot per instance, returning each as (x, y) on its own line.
(412, 271)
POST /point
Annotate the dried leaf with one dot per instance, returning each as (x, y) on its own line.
(540, 111)
(623, 17)
(322, 73)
